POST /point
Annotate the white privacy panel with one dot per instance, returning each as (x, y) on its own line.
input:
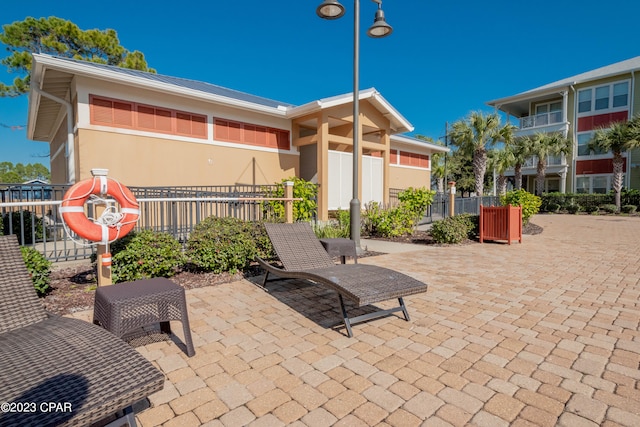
(340, 179)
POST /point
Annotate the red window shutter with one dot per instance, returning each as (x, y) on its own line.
(261, 136)
(393, 157)
(283, 140)
(235, 132)
(123, 114)
(163, 120)
(272, 138)
(249, 134)
(221, 130)
(183, 123)
(101, 111)
(146, 117)
(199, 126)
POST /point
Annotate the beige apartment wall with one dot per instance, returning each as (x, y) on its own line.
(403, 177)
(145, 161)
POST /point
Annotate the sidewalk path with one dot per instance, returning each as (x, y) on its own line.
(542, 333)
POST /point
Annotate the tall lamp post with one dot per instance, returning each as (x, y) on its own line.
(332, 9)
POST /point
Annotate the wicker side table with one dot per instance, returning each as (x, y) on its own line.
(340, 247)
(125, 307)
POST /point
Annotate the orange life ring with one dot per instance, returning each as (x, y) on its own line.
(73, 214)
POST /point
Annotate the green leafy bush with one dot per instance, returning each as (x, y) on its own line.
(573, 208)
(303, 210)
(387, 222)
(32, 224)
(591, 209)
(39, 269)
(454, 229)
(227, 244)
(553, 207)
(587, 202)
(339, 227)
(608, 208)
(530, 203)
(416, 201)
(628, 209)
(145, 255)
(401, 220)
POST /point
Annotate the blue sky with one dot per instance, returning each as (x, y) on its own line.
(444, 59)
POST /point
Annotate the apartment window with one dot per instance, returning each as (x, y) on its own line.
(245, 133)
(583, 145)
(602, 98)
(599, 184)
(620, 95)
(584, 101)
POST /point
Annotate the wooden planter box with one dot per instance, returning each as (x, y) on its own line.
(500, 223)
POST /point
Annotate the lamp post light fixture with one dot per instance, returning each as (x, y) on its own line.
(332, 9)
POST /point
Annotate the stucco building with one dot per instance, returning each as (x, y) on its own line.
(155, 130)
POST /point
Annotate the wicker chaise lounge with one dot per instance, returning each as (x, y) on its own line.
(303, 257)
(61, 371)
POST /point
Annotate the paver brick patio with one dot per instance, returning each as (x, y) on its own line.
(542, 333)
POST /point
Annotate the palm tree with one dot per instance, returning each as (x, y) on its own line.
(521, 151)
(438, 170)
(501, 161)
(475, 136)
(543, 145)
(619, 137)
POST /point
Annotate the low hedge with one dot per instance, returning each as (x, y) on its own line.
(227, 244)
(455, 229)
(145, 255)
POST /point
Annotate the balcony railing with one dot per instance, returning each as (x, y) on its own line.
(541, 120)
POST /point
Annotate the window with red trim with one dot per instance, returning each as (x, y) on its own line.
(117, 113)
(245, 133)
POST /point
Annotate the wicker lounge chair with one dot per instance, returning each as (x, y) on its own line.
(61, 371)
(303, 257)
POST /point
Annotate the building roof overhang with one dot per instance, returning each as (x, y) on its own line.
(54, 75)
(518, 105)
(399, 124)
(418, 143)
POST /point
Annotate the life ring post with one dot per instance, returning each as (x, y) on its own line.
(104, 265)
(104, 270)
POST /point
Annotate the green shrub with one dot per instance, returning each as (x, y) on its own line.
(39, 269)
(145, 255)
(628, 209)
(32, 224)
(401, 220)
(454, 229)
(339, 227)
(592, 209)
(608, 208)
(552, 207)
(529, 202)
(416, 201)
(379, 221)
(116, 246)
(573, 208)
(303, 210)
(227, 244)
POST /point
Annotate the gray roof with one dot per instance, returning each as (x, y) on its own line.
(186, 83)
(610, 70)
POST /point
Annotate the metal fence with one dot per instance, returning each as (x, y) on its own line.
(31, 212)
(462, 205)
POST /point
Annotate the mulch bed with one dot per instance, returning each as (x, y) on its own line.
(73, 286)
